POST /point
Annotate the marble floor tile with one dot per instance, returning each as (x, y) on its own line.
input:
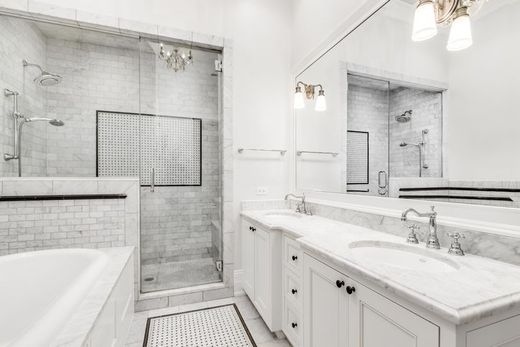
(260, 332)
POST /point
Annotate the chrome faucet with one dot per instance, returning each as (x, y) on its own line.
(301, 207)
(433, 240)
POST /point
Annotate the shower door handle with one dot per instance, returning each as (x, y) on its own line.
(379, 180)
(152, 181)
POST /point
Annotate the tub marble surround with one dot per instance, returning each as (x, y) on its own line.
(75, 332)
(460, 296)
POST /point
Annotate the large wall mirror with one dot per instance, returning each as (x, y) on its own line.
(416, 119)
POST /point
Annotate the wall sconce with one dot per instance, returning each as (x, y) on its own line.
(310, 90)
(431, 13)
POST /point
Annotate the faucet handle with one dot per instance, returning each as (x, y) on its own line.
(456, 236)
(412, 237)
(455, 247)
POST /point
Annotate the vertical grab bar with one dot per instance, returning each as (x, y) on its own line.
(152, 181)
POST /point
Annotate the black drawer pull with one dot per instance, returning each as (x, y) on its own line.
(294, 325)
(350, 289)
(252, 229)
(340, 284)
(294, 258)
(294, 291)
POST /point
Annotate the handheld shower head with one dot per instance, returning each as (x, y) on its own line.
(45, 78)
(403, 144)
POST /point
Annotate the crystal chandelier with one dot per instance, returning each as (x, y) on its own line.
(176, 59)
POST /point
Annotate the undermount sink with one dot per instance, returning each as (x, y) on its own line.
(401, 256)
(283, 215)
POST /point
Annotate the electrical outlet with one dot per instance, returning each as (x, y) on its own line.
(261, 190)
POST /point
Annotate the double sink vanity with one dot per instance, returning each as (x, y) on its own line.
(328, 283)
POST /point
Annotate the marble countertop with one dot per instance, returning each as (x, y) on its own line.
(478, 288)
(75, 332)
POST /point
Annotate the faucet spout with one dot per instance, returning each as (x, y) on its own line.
(300, 207)
(433, 240)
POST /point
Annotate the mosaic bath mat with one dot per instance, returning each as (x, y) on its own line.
(210, 327)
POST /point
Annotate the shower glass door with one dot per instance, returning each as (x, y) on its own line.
(181, 243)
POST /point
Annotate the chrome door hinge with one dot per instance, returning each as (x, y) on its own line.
(218, 65)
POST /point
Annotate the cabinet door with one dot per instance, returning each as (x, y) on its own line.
(248, 249)
(325, 305)
(376, 321)
(262, 276)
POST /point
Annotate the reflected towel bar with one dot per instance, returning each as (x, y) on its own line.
(282, 151)
(334, 154)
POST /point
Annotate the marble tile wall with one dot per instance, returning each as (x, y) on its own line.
(36, 225)
(22, 40)
(427, 114)
(95, 77)
(368, 111)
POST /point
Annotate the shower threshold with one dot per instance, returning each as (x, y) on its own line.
(179, 274)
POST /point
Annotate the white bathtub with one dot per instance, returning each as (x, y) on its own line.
(40, 291)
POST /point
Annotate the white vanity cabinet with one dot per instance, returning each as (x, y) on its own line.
(261, 254)
(292, 285)
(341, 312)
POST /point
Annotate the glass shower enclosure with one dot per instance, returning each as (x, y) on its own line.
(179, 168)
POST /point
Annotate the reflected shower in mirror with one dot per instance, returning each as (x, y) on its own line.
(417, 119)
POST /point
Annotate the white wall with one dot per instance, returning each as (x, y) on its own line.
(318, 23)
(483, 139)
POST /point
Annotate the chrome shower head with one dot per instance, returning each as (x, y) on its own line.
(45, 78)
(405, 117)
(55, 122)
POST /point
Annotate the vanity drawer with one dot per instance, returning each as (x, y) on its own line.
(292, 324)
(292, 288)
(293, 256)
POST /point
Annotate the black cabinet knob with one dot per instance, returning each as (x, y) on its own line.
(294, 258)
(294, 291)
(350, 289)
(294, 325)
(340, 284)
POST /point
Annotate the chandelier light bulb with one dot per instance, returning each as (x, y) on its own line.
(424, 24)
(460, 32)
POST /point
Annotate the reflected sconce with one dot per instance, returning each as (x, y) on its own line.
(310, 91)
(429, 14)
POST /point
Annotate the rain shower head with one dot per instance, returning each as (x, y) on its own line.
(45, 78)
(55, 122)
(405, 117)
